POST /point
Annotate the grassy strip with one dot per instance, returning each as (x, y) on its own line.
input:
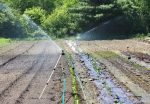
(4, 41)
(74, 87)
(95, 66)
(74, 81)
(105, 54)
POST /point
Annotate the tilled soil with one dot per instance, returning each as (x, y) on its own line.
(115, 45)
(87, 91)
(9, 47)
(139, 56)
(90, 90)
(128, 76)
(15, 52)
(139, 75)
(24, 71)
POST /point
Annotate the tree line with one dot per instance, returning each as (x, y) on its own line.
(68, 17)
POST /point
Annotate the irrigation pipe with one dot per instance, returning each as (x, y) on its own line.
(64, 92)
(49, 78)
(64, 87)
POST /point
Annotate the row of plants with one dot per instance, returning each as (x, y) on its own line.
(74, 80)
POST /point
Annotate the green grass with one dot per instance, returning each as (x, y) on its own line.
(74, 81)
(142, 36)
(105, 54)
(4, 41)
(74, 87)
(95, 66)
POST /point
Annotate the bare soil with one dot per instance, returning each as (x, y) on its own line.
(115, 45)
(89, 94)
(127, 74)
(24, 70)
(139, 56)
(131, 48)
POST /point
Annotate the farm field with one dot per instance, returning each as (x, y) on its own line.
(115, 71)
(25, 68)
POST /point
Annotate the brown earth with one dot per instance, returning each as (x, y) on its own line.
(139, 75)
(127, 73)
(24, 70)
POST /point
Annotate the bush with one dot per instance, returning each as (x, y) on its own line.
(37, 14)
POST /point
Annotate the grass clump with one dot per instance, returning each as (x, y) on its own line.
(105, 54)
(4, 41)
(74, 81)
(96, 66)
(74, 87)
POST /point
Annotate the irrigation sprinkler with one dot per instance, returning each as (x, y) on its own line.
(63, 53)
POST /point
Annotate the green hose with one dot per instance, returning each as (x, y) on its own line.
(64, 92)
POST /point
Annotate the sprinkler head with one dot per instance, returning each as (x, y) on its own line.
(129, 57)
(63, 53)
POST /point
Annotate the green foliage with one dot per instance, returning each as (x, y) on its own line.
(60, 22)
(74, 81)
(15, 25)
(2, 18)
(68, 17)
(97, 68)
(106, 54)
(137, 12)
(22, 5)
(37, 14)
(4, 41)
(90, 13)
(10, 26)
